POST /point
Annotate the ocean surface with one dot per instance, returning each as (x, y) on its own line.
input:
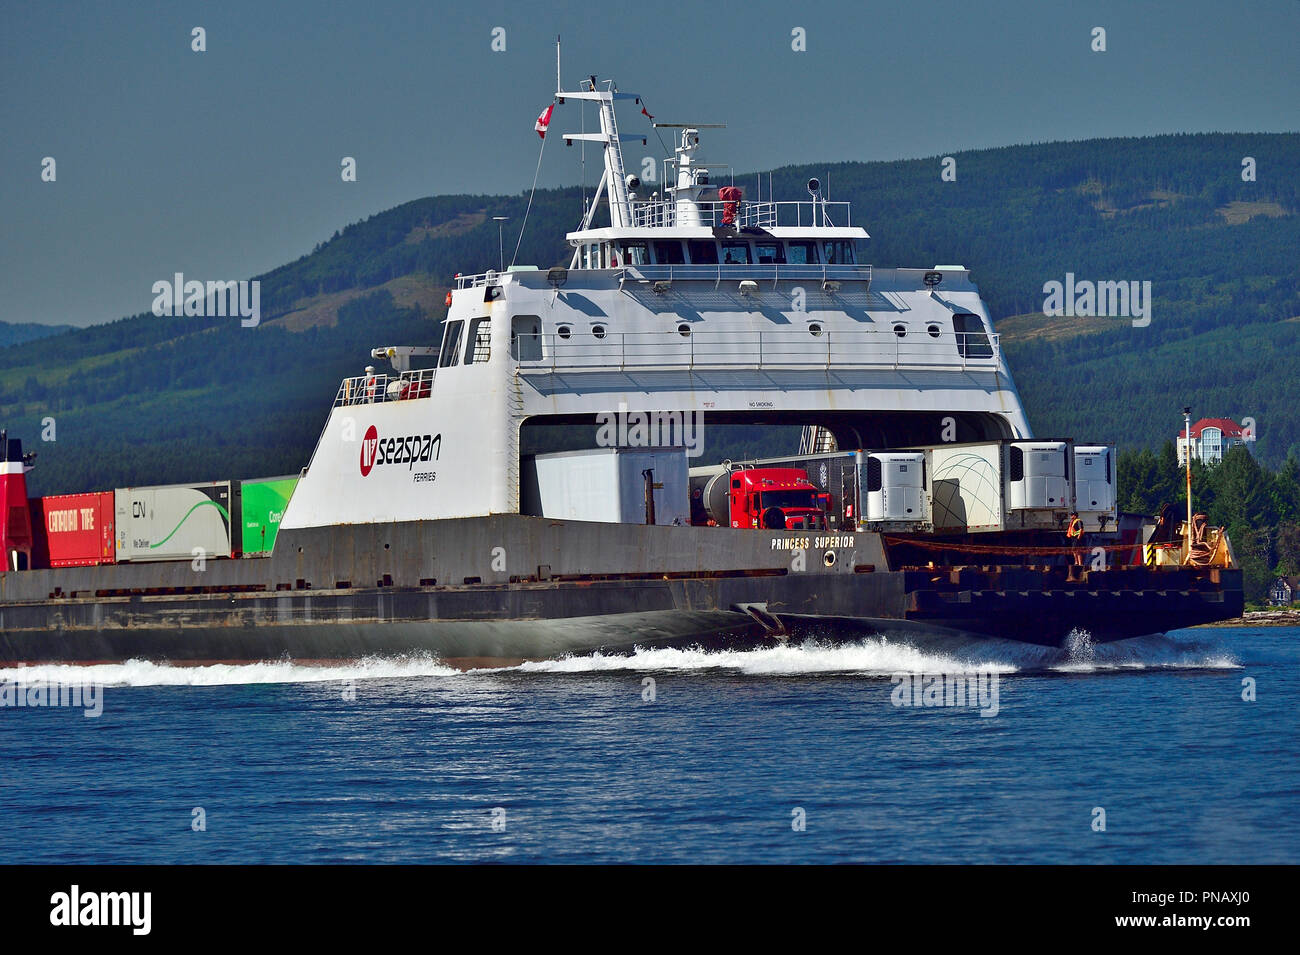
(788, 755)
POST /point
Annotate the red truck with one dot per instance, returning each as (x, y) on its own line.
(774, 498)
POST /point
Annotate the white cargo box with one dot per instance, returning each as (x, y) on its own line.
(895, 488)
(608, 485)
(966, 487)
(176, 521)
(1039, 490)
(1038, 476)
(1095, 485)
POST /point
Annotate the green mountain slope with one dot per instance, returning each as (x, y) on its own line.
(145, 399)
(13, 333)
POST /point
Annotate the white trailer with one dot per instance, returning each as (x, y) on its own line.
(177, 521)
(611, 485)
(966, 492)
(1095, 486)
(895, 488)
(1039, 492)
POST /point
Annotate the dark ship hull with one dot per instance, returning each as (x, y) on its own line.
(509, 588)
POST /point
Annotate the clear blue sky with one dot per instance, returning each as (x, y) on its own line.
(225, 164)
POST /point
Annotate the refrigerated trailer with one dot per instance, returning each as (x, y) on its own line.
(1096, 496)
(177, 521)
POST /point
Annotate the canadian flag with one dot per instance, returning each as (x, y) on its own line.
(544, 120)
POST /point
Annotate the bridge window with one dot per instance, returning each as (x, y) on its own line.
(634, 253)
(669, 253)
(703, 252)
(526, 338)
(769, 253)
(972, 341)
(735, 253)
(479, 347)
(450, 353)
(837, 252)
(803, 253)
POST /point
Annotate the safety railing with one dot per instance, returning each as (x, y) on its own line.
(663, 213)
(717, 273)
(600, 349)
(372, 389)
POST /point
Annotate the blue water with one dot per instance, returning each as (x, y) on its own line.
(714, 769)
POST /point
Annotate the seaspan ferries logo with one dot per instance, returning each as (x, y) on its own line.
(411, 449)
(369, 448)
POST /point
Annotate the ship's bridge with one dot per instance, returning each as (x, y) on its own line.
(797, 251)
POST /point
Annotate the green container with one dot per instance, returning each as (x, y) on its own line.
(264, 501)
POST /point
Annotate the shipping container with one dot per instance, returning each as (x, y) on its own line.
(74, 530)
(614, 485)
(177, 521)
(262, 504)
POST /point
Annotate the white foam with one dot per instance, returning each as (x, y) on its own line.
(876, 657)
(1155, 652)
(146, 673)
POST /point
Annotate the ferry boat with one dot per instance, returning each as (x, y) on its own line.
(918, 500)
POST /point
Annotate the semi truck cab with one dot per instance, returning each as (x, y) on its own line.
(774, 498)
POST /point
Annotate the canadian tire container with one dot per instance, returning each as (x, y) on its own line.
(76, 530)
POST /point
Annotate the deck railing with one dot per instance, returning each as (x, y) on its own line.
(715, 273)
(372, 389)
(661, 213)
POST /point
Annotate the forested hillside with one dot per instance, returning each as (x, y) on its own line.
(147, 399)
(13, 334)
(1260, 508)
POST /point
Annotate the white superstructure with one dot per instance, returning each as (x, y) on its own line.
(696, 302)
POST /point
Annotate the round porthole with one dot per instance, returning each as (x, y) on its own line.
(564, 331)
(900, 329)
(814, 329)
(829, 558)
(932, 330)
(598, 331)
(684, 330)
